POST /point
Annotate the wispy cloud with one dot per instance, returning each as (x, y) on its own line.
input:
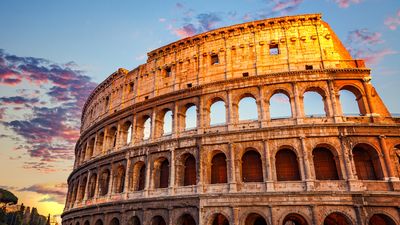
(52, 106)
(346, 3)
(392, 22)
(53, 192)
(365, 44)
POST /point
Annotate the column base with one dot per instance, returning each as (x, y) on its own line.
(310, 185)
(269, 186)
(355, 185)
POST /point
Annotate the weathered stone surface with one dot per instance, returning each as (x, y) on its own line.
(314, 169)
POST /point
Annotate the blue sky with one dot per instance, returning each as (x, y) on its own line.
(54, 52)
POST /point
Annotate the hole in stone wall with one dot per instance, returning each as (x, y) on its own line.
(309, 67)
(214, 59)
(245, 74)
(274, 49)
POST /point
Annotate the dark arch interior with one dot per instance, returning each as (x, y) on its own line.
(294, 219)
(381, 219)
(218, 169)
(287, 167)
(367, 164)
(190, 171)
(186, 220)
(336, 219)
(252, 167)
(99, 222)
(324, 164)
(220, 219)
(134, 221)
(142, 176)
(255, 219)
(164, 174)
(86, 223)
(158, 220)
(114, 221)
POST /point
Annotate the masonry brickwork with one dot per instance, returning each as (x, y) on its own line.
(320, 169)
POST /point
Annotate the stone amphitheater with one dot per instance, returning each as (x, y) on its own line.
(142, 160)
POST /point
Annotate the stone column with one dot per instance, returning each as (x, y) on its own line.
(334, 103)
(153, 125)
(231, 168)
(367, 90)
(127, 175)
(268, 179)
(111, 182)
(133, 133)
(172, 172)
(299, 111)
(96, 190)
(148, 176)
(388, 161)
(264, 115)
(201, 120)
(104, 146)
(175, 128)
(235, 216)
(230, 114)
(307, 165)
(85, 197)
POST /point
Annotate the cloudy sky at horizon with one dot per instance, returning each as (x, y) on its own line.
(53, 53)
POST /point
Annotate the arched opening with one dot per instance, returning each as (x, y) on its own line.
(99, 143)
(99, 222)
(126, 133)
(90, 148)
(252, 167)
(161, 173)
(186, 219)
(167, 122)
(86, 223)
(190, 174)
(336, 219)
(220, 219)
(279, 106)
(294, 219)
(191, 117)
(218, 169)
(134, 220)
(381, 219)
(255, 219)
(146, 128)
(114, 221)
(158, 220)
(348, 103)
(83, 154)
(351, 101)
(82, 189)
(112, 138)
(366, 161)
(314, 104)
(77, 223)
(92, 185)
(104, 181)
(217, 113)
(248, 109)
(286, 165)
(119, 179)
(139, 176)
(324, 164)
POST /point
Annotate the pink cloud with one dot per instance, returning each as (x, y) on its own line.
(377, 56)
(56, 192)
(285, 5)
(392, 22)
(346, 3)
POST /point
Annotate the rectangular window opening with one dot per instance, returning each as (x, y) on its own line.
(273, 49)
(189, 85)
(309, 67)
(214, 59)
(146, 97)
(245, 74)
(168, 72)
(131, 86)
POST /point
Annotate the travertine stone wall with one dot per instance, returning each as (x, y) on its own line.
(336, 168)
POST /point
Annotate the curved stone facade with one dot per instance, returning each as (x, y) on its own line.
(301, 169)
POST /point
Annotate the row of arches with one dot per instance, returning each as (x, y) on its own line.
(335, 218)
(280, 104)
(287, 166)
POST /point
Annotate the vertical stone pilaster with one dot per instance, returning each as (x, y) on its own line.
(148, 175)
(172, 172)
(127, 175)
(297, 103)
(111, 182)
(231, 168)
(268, 179)
(85, 197)
(388, 161)
(153, 125)
(307, 164)
(175, 119)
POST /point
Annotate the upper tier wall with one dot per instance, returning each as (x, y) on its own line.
(292, 43)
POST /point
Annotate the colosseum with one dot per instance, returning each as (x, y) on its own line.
(170, 142)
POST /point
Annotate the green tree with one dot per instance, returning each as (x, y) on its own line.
(6, 197)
